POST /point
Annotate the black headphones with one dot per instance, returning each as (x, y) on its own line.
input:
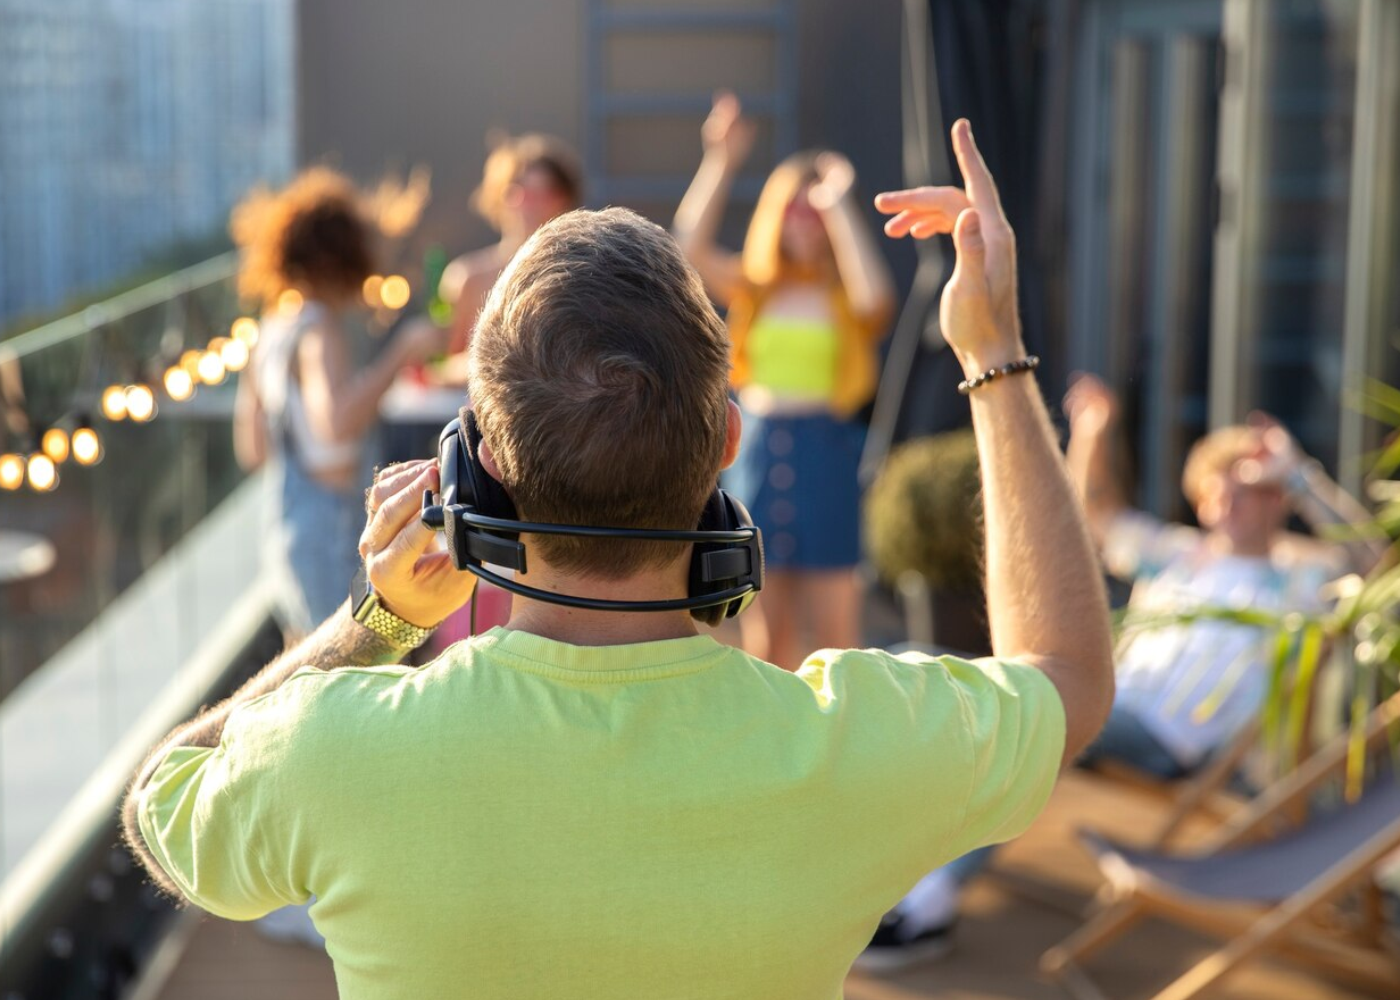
(479, 519)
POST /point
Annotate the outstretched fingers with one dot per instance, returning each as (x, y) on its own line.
(922, 211)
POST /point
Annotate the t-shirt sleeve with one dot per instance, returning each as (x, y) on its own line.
(203, 811)
(944, 755)
(1014, 724)
(1137, 545)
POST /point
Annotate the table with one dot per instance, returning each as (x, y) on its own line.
(414, 415)
(24, 555)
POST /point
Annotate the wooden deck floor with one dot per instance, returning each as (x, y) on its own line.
(1000, 937)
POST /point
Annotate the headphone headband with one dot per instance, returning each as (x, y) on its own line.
(479, 520)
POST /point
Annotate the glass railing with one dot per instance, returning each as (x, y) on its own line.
(115, 442)
(128, 585)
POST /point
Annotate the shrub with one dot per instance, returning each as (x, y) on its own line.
(923, 513)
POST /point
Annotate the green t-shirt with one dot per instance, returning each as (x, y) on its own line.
(525, 818)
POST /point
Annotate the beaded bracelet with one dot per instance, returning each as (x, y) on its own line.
(1026, 364)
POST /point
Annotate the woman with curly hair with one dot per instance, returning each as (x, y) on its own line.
(303, 407)
(808, 300)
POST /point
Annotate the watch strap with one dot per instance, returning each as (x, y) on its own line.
(373, 615)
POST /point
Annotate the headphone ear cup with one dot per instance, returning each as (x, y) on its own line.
(475, 486)
(722, 512)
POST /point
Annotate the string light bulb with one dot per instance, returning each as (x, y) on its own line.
(245, 328)
(11, 471)
(114, 402)
(394, 292)
(43, 474)
(211, 368)
(179, 384)
(55, 444)
(289, 301)
(140, 403)
(87, 446)
(370, 290)
(189, 361)
(234, 354)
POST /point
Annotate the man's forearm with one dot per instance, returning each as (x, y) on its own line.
(339, 642)
(1045, 596)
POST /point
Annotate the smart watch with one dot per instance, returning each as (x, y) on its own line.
(369, 611)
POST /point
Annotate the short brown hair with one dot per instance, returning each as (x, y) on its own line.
(511, 156)
(311, 234)
(1215, 455)
(599, 374)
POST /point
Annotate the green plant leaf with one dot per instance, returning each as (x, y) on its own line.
(1309, 658)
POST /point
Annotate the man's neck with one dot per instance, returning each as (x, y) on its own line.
(582, 627)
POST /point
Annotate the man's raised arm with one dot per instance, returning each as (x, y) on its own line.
(1045, 596)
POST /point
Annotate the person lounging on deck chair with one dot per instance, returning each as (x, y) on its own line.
(1259, 897)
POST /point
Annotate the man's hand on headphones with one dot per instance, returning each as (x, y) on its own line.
(978, 310)
(413, 579)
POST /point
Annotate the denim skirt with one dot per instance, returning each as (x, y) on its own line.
(797, 476)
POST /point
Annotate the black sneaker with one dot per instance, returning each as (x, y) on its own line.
(896, 945)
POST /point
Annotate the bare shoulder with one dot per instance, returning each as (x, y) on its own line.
(472, 272)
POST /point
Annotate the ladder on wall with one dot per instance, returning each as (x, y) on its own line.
(652, 69)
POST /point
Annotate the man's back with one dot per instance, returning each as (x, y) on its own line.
(529, 818)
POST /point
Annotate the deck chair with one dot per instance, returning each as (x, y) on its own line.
(1258, 897)
(1202, 794)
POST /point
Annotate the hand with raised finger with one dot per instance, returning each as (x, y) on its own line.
(978, 311)
(978, 308)
(413, 579)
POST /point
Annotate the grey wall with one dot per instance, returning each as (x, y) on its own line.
(384, 88)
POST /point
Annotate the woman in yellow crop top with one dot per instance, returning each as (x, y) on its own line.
(808, 299)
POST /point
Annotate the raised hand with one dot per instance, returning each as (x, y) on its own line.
(1090, 406)
(978, 309)
(726, 133)
(413, 581)
(1281, 452)
(835, 178)
(419, 340)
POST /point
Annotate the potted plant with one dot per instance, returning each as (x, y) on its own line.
(923, 533)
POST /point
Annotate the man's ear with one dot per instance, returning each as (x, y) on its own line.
(734, 428)
(488, 460)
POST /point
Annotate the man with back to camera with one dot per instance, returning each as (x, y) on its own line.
(604, 804)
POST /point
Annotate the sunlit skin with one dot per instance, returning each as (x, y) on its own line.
(531, 200)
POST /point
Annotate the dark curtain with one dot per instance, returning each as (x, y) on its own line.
(985, 62)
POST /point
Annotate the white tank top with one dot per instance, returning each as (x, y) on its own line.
(280, 395)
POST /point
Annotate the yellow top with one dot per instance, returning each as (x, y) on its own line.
(525, 819)
(855, 371)
(794, 357)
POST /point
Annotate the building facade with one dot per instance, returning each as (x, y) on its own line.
(127, 126)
